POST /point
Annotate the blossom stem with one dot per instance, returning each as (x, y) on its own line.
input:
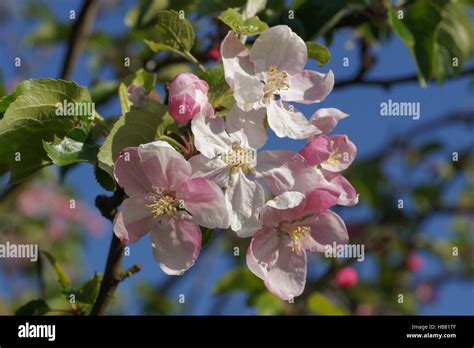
(193, 60)
(113, 273)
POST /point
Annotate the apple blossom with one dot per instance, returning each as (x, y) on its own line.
(270, 75)
(163, 198)
(229, 158)
(293, 223)
(333, 154)
(188, 97)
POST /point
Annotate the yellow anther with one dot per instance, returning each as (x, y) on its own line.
(297, 235)
(163, 204)
(240, 158)
(276, 82)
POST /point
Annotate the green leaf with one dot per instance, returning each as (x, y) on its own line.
(104, 179)
(220, 95)
(319, 52)
(144, 13)
(239, 279)
(31, 119)
(320, 304)
(455, 40)
(319, 17)
(69, 151)
(34, 307)
(268, 304)
(249, 26)
(88, 291)
(435, 31)
(400, 28)
(207, 234)
(63, 278)
(173, 34)
(143, 78)
(136, 127)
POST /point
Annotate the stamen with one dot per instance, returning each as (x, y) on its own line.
(276, 82)
(297, 236)
(335, 158)
(240, 158)
(163, 203)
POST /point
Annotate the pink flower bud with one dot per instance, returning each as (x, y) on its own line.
(346, 277)
(414, 262)
(214, 54)
(137, 96)
(187, 97)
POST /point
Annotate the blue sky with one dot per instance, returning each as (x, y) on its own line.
(365, 127)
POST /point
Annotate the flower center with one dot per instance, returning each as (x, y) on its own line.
(335, 157)
(276, 82)
(163, 203)
(297, 235)
(240, 158)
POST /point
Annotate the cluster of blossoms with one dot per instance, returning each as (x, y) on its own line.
(59, 211)
(223, 185)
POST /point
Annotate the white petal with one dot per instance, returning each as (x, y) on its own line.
(326, 119)
(245, 198)
(279, 47)
(234, 57)
(247, 127)
(286, 121)
(309, 87)
(248, 91)
(211, 169)
(210, 137)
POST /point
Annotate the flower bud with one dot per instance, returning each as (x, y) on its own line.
(187, 97)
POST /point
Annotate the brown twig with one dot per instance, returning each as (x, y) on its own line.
(113, 273)
(81, 30)
(387, 83)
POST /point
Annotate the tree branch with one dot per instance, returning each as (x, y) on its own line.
(81, 30)
(113, 273)
(388, 83)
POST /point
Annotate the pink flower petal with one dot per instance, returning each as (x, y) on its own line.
(285, 207)
(165, 167)
(308, 87)
(133, 220)
(318, 200)
(129, 173)
(287, 278)
(343, 152)
(183, 107)
(326, 119)
(317, 150)
(176, 243)
(335, 182)
(285, 171)
(264, 247)
(326, 228)
(205, 201)
(187, 83)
